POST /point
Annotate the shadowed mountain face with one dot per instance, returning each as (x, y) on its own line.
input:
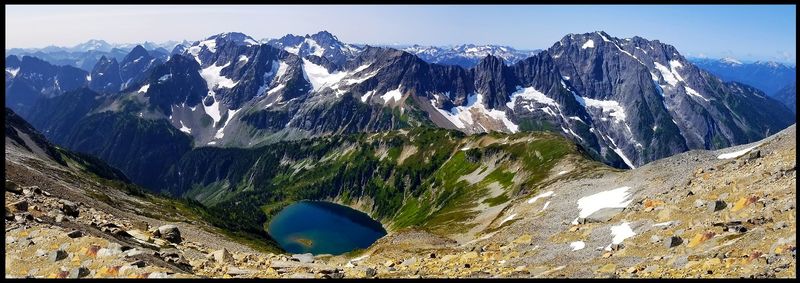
(626, 102)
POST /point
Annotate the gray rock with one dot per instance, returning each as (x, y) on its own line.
(655, 239)
(370, 272)
(13, 187)
(75, 234)
(337, 275)
(235, 271)
(20, 205)
(408, 262)
(69, 208)
(22, 217)
(138, 263)
(718, 205)
(304, 258)
(170, 233)
(78, 272)
(699, 203)
(779, 225)
(58, 255)
(673, 241)
(680, 261)
(222, 256)
(60, 218)
(754, 154)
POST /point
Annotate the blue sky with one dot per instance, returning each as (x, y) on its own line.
(745, 32)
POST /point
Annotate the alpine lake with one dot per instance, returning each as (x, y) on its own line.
(320, 227)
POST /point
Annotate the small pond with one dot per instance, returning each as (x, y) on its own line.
(319, 227)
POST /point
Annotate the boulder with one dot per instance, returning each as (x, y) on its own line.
(69, 208)
(370, 272)
(60, 218)
(78, 272)
(304, 258)
(13, 187)
(222, 256)
(20, 205)
(138, 263)
(673, 241)
(717, 205)
(169, 233)
(75, 234)
(754, 154)
(58, 255)
(28, 191)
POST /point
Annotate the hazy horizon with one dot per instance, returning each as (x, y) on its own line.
(736, 31)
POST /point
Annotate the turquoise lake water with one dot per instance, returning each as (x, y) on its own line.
(323, 228)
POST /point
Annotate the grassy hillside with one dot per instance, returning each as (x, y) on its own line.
(424, 177)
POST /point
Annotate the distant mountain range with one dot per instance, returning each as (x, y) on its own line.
(87, 54)
(468, 55)
(773, 78)
(626, 102)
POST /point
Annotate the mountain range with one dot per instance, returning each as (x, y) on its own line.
(773, 78)
(625, 102)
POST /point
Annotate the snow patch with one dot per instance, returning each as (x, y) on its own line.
(589, 44)
(531, 94)
(144, 88)
(612, 107)
(185, 129)
(508, 218)
(216, 80)
(692, 92)
(616, 198)
(367, 95)
(220, 133)
(577, 245)
(662, 224)
(319, 77)
(736, 154)
(395, 95)
(213, 110)
(164, 78)
(546, 204)
(14, 72)
(620, 233)
(460, 116)
(542, 195)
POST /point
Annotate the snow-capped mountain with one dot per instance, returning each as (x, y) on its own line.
(625, 101)
(468, 55)
(321, 44)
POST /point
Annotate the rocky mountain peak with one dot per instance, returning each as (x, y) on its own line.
(137, 52)
(236, 37)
